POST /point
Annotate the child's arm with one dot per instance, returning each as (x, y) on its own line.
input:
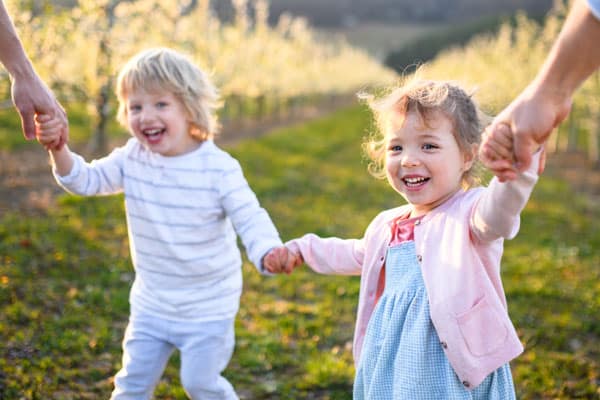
(330, 256)
(49, 132)
(250, 220)
(497, 212)
(62, 160)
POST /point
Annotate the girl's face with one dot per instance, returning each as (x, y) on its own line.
(160, 122)
(425, 165)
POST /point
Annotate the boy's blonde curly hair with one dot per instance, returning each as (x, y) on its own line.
(425, 97)
(164, 69)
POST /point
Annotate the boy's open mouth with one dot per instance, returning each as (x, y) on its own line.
(153, 135)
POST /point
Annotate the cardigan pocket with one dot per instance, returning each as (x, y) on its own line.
(482, 328)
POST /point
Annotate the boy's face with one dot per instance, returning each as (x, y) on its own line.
(424, 164)
(160, 122)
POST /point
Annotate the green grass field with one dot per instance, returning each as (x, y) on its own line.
(64, 280)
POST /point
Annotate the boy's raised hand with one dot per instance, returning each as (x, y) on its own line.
(49, 131)
(281, 260)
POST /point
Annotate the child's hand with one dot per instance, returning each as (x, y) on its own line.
(280, 260)
(49, 131)
(496, 152)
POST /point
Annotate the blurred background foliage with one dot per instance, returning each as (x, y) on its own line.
(65, 272)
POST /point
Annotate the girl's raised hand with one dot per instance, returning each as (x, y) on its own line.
(496, 152)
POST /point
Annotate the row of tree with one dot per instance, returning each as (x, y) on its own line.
(79, 48)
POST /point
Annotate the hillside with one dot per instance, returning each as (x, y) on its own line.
(346, 13)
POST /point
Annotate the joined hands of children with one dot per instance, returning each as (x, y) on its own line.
(282, 260)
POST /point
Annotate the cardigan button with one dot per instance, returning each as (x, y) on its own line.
(466, 384)
(418, 222)
(444, 345)
(381, 259)
(419, 258)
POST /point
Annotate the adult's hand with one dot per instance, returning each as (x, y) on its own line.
(32, 97)
(546, 102)
(531, 118)
(29, 93)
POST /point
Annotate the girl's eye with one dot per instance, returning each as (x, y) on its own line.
(396, 148)
(429, 146)
(134, 107)
(161, 104)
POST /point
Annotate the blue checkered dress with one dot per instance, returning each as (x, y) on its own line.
(402, 357)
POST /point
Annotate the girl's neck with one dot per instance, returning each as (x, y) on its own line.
(417, 211)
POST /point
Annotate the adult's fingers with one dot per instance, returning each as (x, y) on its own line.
(494, 150)
(27, 123)
(523, 148)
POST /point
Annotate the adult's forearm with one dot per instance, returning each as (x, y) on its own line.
(575, 55)
(12, 54)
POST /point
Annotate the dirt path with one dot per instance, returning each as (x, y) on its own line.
(26, 183)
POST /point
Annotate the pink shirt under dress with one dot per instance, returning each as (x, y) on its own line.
(403, 230)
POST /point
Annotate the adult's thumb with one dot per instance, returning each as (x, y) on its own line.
(27, 124)
(522, 151)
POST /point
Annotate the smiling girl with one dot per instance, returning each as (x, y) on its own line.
(185, 201)
(432, 319)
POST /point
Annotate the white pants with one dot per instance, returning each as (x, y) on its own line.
(205, 347)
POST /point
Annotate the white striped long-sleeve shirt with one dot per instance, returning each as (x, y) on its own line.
(183, 214)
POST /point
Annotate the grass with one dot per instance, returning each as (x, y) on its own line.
(65, 277)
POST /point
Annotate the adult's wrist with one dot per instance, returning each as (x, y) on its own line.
(558, 97)
(21, 70)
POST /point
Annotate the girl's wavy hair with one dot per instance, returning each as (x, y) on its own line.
(164, 69)
(425, 97)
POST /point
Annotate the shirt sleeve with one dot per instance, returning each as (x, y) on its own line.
(251, 221)
(330, 256)
(497, 212)
(99, 177)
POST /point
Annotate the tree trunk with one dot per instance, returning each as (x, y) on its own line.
(99, 143)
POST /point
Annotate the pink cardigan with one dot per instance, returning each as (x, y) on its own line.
(459, 245)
